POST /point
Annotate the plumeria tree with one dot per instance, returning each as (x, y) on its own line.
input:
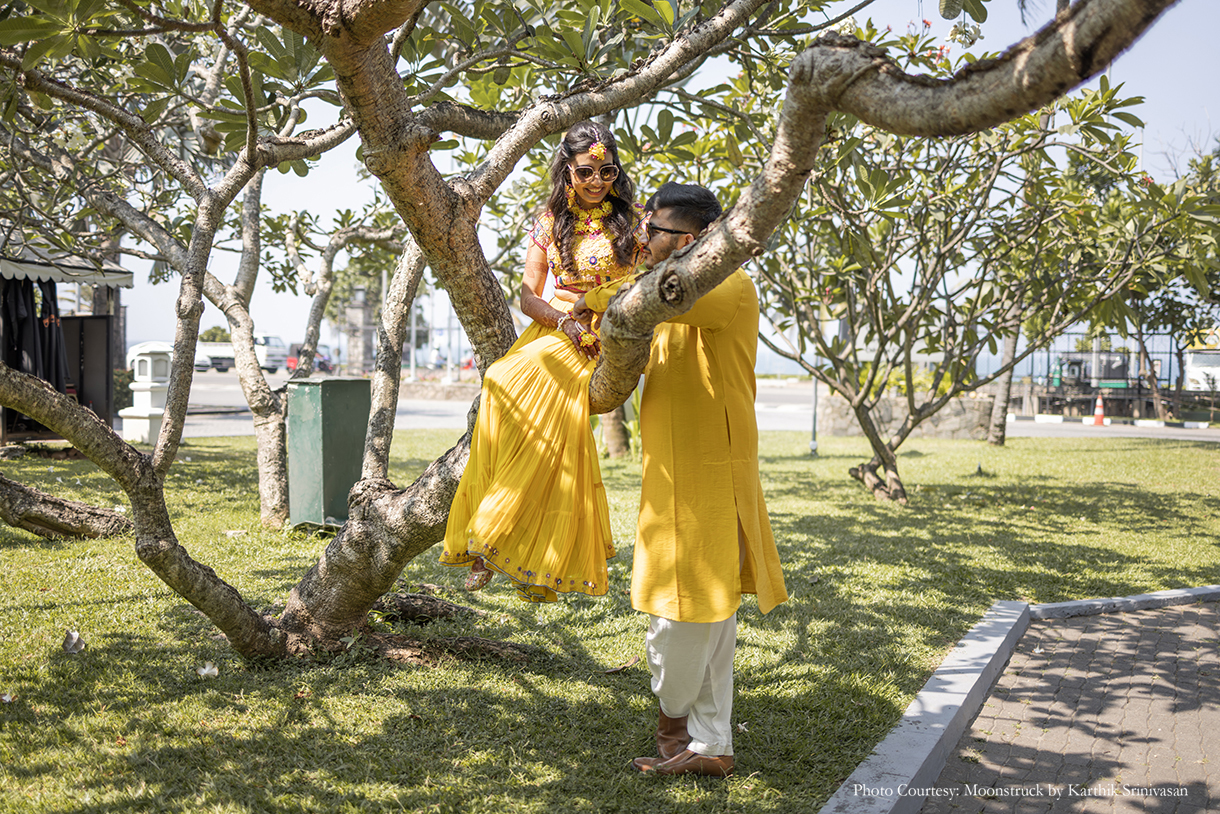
(413, 77)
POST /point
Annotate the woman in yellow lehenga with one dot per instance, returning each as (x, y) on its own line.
(531, 504)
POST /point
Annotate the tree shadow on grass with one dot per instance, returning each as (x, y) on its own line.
(488, 737)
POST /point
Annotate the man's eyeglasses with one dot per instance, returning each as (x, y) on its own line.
(585, 174)
(654, 230)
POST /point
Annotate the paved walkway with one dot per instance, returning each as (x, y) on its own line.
(1118, 712)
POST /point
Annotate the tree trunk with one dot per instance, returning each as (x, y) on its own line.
(386, 527)
(266, 406)
(1003, 391)
(614, 431)
(1148, 373)
(884, 486)
(1180, 382)
(51, 517)
(156, 545)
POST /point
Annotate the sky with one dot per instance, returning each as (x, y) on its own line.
(1169, 67)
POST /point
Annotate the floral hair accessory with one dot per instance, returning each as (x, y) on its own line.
(597, 150)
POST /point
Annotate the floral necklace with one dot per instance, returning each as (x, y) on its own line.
(587, 220)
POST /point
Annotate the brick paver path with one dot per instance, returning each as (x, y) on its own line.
(1098, 714)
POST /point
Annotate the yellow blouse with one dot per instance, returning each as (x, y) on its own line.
(593, 252)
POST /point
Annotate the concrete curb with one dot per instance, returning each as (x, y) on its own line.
(895, 778)
(1120, 604)
(913, 755)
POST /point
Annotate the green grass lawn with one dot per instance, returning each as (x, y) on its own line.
(879, 594)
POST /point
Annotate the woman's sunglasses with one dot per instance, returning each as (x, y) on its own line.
(585, 174)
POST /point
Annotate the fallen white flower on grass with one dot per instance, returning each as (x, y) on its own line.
(121, 509)
(7, 698)
(73, 643)
(1038, 651)
(59, 480)
(208, 670)
(235, 532)
(741, 727)
(187, 458)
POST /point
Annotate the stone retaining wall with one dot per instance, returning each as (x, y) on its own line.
(456, 391)
(960, 418)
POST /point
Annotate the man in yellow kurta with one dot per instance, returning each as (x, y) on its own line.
(704, 538)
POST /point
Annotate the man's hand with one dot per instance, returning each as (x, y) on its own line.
(583, 313)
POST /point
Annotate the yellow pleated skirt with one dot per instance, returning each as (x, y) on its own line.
(531, 501)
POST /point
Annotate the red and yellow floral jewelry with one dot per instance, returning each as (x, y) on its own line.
(597, 150)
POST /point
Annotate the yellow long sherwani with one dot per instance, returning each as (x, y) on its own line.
(700, 442)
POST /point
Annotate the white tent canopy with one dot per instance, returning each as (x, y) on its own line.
(24, 262)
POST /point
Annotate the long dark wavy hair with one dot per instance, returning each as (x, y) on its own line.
(621, 221)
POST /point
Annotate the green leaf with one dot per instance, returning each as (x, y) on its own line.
(666, 10)
(26, 29)
(685, 137)
(575, 44)
(665, 126)
(158, 55)
(732, 150)
(43, 48)
(1131, 119)
(154, 109)
(975, 9)
(950, 8)
(643, 11)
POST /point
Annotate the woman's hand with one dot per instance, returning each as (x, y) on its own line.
(582, 338)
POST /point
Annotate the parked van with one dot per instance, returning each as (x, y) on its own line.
(271, 351)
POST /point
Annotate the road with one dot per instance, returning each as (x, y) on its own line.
(781, 405)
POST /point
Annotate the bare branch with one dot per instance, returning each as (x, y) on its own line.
(136, 128)
(557, 115)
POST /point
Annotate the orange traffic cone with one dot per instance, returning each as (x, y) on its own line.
(1099, 413)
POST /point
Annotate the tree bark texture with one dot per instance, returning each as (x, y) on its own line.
(387, 374)
(266, 406)
(1148, 374)
(614, 431)
(887, 485)
(52, 517)
(386, 529)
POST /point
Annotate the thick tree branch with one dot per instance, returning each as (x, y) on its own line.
(54, 517)
(842, 73)
(449, 117)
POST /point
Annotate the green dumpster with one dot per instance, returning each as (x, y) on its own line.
(327, 419)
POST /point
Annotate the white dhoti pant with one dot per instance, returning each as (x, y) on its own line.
(692, 675)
